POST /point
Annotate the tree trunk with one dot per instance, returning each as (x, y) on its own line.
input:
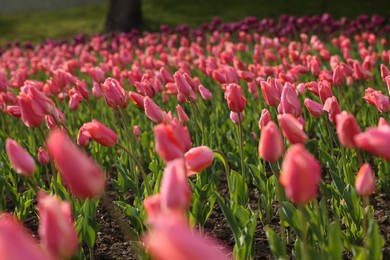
(123, 16)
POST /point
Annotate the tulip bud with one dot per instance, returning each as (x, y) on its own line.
(314, 108)
(98, 132)
(365, 183)
(271, 143)
(375, 141)
(265, 118)
(332, 107)
(198, 159)
(114, 93)
(136, 131)
(235, 117)
(347, 128)
(152, 205)
(183, 117)
(43, 157)
(153, 111)
(234, 97)
(22, 162)
(292, 129)
(290, 102)
(205, 93)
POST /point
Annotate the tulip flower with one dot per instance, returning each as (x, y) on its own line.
(204, 92)
(271, 92)
(198, 159)
(265, 118)
(81, 174)
(292, 129)
(290, 102)
(152, 205)
(153, 111)
(332, 107)
(21, 161)
(235, 117)
(56, 227)
(136, 131)
(324, 90)
(16, 243)
(314, 108)
(183, 117)
(234, 97)
(14, 111)
(271, 143)
(301, 173)
(137, 99)
(172, 140)
(347, 128)
(175, 191)
(43, 157)
(365, 182)
(97, 132)
(114, 93)
(183, 87)
(375, 141)
(376, 98)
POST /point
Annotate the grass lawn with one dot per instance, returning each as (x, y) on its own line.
(90, 19)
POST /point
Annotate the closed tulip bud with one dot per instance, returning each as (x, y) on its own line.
(271, 143)
(292, 129)
(301, 173)
(172, 140)
(314, 108)
(384, 71)
(114, 93)
(175, 191)
(16, 243)
(99, 133)
(96, 90)
(21, 161)
(205, 93)
(198, 159)
(137, 99)
(376, 98)
(383, 123)
(153, 111)
(14, 111)
(347, 128)
(365, 182)
(152, 205)
(183, 117)
(43, 157)
(82, 88)
(183, 87)
(235, 99)
(81, 174)
(375, 141)
(338, 76)
(290, 102)
(136, 131)
(332, 107)
(235, 117)
(324, 90)
(265, 118)
(56, 227)
(270, 93)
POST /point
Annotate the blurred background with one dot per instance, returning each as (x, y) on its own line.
(37, 20)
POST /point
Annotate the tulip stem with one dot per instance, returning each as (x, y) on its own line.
(280, 199)
(330, 134)
(224, 161)
(304, 249)
(241, 146)
(6, 125)
(200, 122)
(365, 204)
(196, 123)
(143, 174)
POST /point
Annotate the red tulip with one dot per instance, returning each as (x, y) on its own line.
(114, 93)
(290, 102)
(235, 117)
(324, 90)
(365, 182)
(183, 117)
(332, 107)
(292, 129)
(338, 76)
(183, 87)
(301, 173)
(347, 128)
(153, 111)
(80, 173)
(271, 143)
(265, 118)
(272, 91)
(234, 97)
(97, 132)
(198, 159)
(56, 226)
(375, 141)
(137, 99)
(16, 243)
(376, 98)
(152, 205)
(43, 157)
(204, 92)
(14, 111)
(22, 162)
(314, 108)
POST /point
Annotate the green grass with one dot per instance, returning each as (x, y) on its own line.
(90, 19)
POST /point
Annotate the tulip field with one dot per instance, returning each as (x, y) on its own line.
(258, 139)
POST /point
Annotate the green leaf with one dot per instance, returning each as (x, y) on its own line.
(335, 243)
(278, 248)
(375, 241)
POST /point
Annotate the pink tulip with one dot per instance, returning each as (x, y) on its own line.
(376, 98)
(137, 99)
(83, 88)
(292, 129)
(16, 243)
(384, 71)
(56, 226)
(171, 238)
(172, 140)
(96, 90)
(152, 205)
(301, 173)
(338, 76)
(324, 90)
(183, 117)
(136, 131)
(114, 93)
(347, 128)
(22, 162)
(271, 92)
(14, 111)
(290, 102)
(332, 107)
(198, 159)
(43, 157)
(236, 117)
(175, 191)
(383, 123)
(97, 132)
(236, 101)
(271, 143)
(183, 87)
(80, 173)
(265, 118)
(153, 111)
(314, 108)
(365, 182)
(375, 141)
(204, 92)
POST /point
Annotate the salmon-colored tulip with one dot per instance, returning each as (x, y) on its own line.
(301, 173)
(137, 99)
(347, 128)
(97, 132)
(14, 111)
(236, 118)
(204, 92)
(365, 182)
(271, 143)
(172, 140)
(136, 131)
(235, 99)
(81, 174)
(183, 87)
(332, 107)
(198, 159)
(43, 157)
(152, 205)
(56, 226)
(114, 93)
(375, 141)
(314, 108)
(265, 118)
(376, 98)
(22, 162)
(16, 243)
(289, 101)
(183, 117)
(153, 111)
(324, 90)
(292, 129)
(271, 92)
